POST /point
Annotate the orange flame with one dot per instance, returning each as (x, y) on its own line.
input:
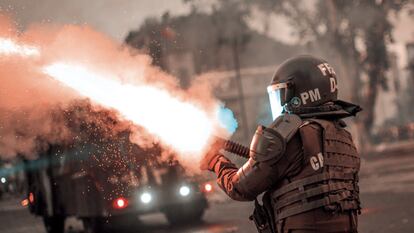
(180, 124)
(9, 47)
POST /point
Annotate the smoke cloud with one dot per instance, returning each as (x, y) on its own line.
(34, 108)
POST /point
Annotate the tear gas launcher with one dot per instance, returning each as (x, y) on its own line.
(234, 147)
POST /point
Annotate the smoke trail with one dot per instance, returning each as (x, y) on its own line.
(27, 94)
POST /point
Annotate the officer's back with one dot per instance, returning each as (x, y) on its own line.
(319, 191)
(305, 161)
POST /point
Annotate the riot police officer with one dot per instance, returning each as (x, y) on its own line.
(305, 161)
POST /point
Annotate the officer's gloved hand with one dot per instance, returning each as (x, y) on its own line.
(212, 156)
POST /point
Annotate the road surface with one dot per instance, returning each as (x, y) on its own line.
(387, 187)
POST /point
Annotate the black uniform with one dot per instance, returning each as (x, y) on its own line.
(305, 161)
(312, 187)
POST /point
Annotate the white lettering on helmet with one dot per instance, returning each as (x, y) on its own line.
(326, 69)
(334, 86)
(314, 95)
(316, 161)
(304, 96)
(322, 68)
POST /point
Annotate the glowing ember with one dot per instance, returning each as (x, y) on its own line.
(8, 47)
(179, 124)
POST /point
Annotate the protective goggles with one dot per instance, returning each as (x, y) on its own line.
(278, 94)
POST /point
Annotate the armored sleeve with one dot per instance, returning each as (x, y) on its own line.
(273, 153)
(254, 177)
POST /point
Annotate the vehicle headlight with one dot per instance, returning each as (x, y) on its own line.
(3, 180)
(184, 190)
(146, 197)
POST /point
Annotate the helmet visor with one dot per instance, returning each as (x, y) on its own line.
(277, 97)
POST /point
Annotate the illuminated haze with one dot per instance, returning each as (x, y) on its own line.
(49, 66)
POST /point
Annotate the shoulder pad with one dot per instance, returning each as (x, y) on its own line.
(287, 125)
(269, 143)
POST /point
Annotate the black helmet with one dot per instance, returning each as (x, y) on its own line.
(302, 85)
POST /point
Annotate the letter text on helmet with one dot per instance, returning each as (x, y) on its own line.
(334, 86)
(314, 95)
(326, 69)
(304, 96)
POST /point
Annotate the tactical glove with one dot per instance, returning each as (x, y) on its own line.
(212, 156)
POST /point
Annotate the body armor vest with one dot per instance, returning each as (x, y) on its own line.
(329, 178)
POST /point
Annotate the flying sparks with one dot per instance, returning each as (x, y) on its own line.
(182, 125)
(179, 124)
